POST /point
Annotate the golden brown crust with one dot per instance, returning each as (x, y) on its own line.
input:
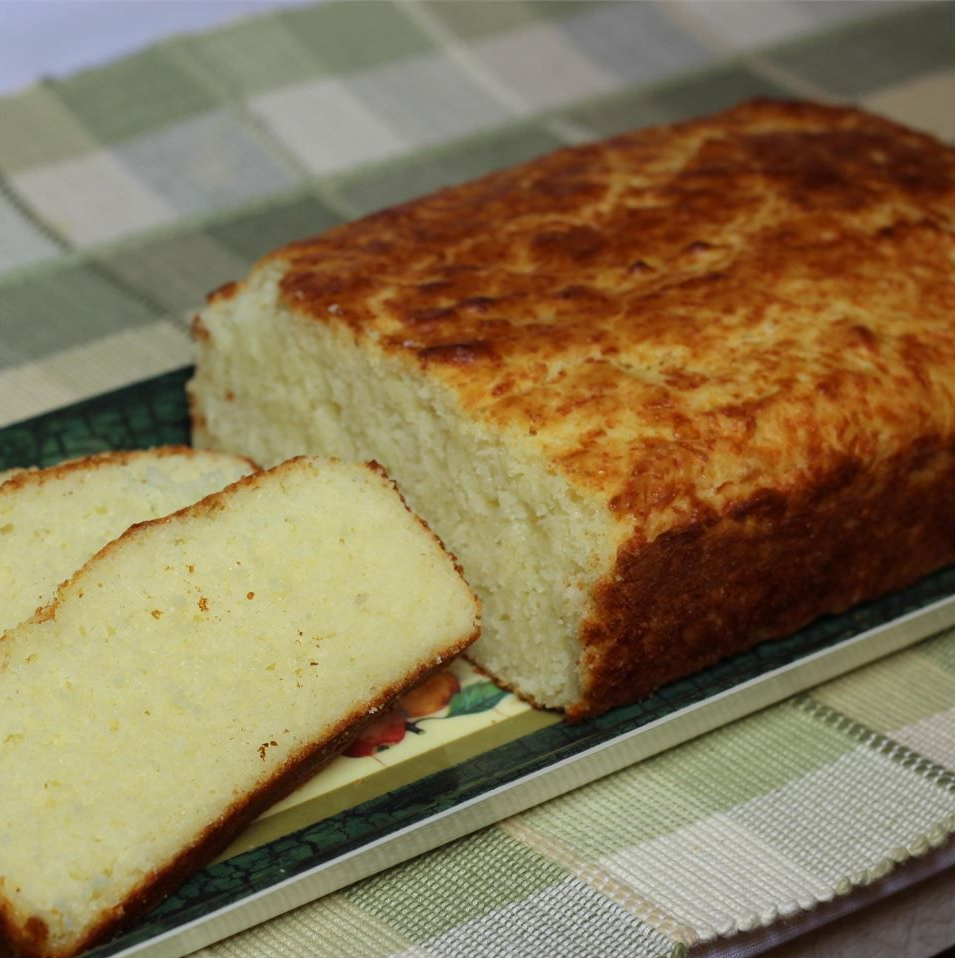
(736, 333)
(225, 291)
(676, 304)
(199, 330)
(765, 568)
(16, 936)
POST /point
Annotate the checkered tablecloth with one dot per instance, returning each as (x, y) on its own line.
(130, 190)
(742, 828)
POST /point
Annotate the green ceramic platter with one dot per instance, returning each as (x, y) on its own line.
(466, 795)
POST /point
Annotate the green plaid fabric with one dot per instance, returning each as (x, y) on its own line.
(738, 829)
(129, 191)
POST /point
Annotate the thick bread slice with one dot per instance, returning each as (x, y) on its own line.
(193, 672)
(52, 520)
(664, 396)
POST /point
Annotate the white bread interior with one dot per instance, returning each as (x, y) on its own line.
(530, 544)
(193, 663)
(52, 520)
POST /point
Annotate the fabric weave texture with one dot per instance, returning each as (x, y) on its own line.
(129, 191)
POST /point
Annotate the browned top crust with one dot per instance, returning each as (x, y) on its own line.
(680, 316)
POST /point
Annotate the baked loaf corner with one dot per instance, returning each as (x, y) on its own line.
(195, 671)
(666, 395)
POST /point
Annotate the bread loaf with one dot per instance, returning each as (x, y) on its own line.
(665, 395)
(194, 671)
(52, 520)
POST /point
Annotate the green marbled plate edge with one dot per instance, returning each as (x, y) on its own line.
(154, 412)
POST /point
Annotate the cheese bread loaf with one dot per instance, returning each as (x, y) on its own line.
(194, 671)
(665, 395)
(52, 520)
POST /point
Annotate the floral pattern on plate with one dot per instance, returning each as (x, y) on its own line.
(440, 696)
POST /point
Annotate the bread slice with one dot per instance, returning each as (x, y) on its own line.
(194, 671)
(52, 520)
(665, 396)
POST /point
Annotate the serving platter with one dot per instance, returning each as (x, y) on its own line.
(472, 754)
